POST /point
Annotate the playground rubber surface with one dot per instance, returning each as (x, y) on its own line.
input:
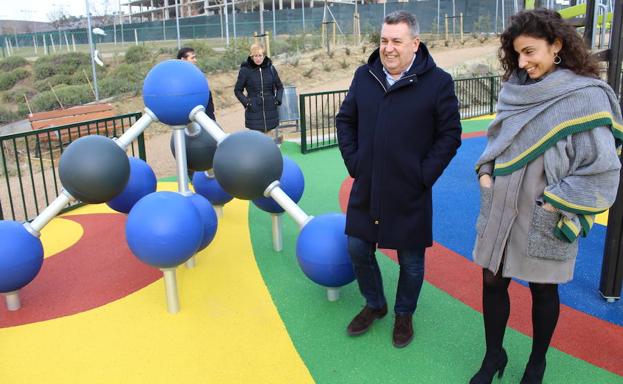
(248, 314)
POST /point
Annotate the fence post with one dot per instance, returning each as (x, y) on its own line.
(461, 25)
(140, 140)
(303, 121)
(491, 94)
(446, 27)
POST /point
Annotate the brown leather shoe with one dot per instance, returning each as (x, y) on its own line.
(364, 319)
(403, 331)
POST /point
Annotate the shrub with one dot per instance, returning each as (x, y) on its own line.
(7, 116)
(69, 95)
(137, 54)
(55, 80)
(16, 95)
(65, 64)
(308, 73)
(344, 64)
(112, 86)
(9, 79)
(12, 62)
(132, 73)
(375, 38)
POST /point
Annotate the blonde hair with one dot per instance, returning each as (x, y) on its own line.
(256, 49)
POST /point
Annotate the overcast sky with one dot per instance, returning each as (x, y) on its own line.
(40, 10)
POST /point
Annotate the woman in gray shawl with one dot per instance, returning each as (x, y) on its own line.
(549, 166)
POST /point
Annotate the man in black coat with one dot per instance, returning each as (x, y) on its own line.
(188, 54)
(398, 128)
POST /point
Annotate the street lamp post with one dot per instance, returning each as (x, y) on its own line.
(89, 32)
(177, 24)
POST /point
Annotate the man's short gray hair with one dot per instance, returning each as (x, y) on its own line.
(408, 18)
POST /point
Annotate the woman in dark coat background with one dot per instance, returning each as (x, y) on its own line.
(263, 88)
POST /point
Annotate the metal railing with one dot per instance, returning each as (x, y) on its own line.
(477, 97)
(318, 112)
(29, 178)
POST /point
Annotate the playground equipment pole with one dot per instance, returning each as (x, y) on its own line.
(612, 266)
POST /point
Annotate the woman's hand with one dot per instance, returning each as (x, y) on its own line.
(549, 208)
(486, 181)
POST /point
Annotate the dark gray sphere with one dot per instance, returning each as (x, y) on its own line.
(245, 164)
(94, 169)
(199, 151)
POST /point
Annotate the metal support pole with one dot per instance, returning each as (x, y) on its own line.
(179, 142)
(333, 294)
(303, 13)
(612, 265)
(277, 231)
(261, 17)
(224, 9)
(177, 24)
(274, 21)
(12, 301)
(89, 34)
(170, 286)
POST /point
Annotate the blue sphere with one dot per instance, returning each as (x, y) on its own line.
(208, 218)
(21, 256)
(322, 251)
(173, 88)
(141, 183)
(292, 182)
(209, 188)
(164, 229)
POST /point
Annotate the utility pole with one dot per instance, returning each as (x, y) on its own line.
(89, 34)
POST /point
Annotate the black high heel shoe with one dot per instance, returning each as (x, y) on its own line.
(492, 364)
(534, 373)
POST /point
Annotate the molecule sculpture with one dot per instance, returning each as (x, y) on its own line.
(165, 229)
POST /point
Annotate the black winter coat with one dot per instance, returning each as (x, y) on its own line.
(264, 93)
(395, 143)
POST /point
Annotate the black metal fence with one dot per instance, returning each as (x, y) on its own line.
(477, 97)
(318, 112)
(29, 178)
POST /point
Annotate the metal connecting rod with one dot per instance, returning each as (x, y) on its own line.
(285, 202)
(49, 213)
(136, 129)
(198, 115)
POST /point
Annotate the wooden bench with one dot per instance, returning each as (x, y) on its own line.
(57, 118)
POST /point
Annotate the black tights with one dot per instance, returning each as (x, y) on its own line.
(496, 309)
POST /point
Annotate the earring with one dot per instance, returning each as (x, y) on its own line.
(557, 59)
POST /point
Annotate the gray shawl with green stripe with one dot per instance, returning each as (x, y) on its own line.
(555, 117)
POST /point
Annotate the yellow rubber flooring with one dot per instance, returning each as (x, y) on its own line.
(228, 329)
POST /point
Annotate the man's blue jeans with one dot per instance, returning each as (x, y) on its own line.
(369, 275)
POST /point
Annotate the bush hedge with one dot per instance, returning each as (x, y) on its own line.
(12, 62)
(9, 79)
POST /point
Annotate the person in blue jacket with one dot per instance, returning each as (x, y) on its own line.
(398, 128)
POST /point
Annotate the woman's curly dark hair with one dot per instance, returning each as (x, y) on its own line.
(546, 24)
